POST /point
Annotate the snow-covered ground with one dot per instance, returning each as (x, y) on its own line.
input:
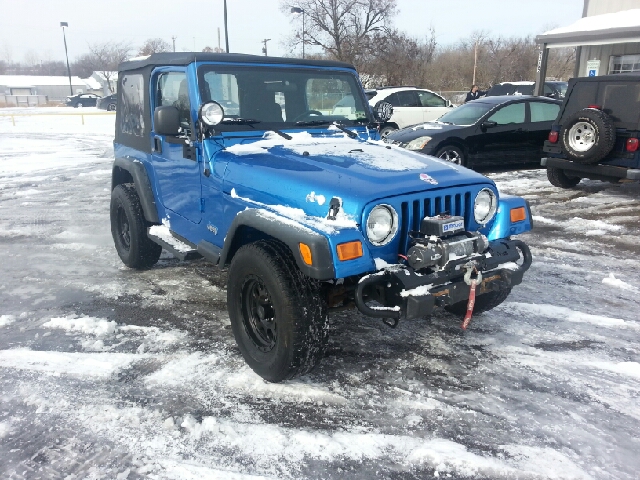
(111, 373)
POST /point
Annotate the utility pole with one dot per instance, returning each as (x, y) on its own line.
(264, 49)
(66, 53)
(475, 62)
(174, 43)
(226, 30)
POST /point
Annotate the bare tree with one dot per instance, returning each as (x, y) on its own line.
(214, 49)
(103, 58)
(154, 45)
(344, 29)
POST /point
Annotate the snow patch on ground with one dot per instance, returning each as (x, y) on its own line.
(63, 363)
(6, 320)
(94, 326)
(563, 313)
(612, 281)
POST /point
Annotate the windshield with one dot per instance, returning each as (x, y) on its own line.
(283, 97)
(466, 114)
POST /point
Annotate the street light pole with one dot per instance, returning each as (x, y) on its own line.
(300, 10)
(226, 31)
(66, 53)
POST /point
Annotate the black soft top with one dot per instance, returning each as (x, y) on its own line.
(186, 58)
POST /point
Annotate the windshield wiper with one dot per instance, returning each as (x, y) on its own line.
(240, 121)
(327, 122)
(306, 123)
(346, 130)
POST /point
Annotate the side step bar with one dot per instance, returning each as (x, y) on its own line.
(180, 249)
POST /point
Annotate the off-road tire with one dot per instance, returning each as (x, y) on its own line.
(601, 128)
(558, 178)
(129, 229)
(297, 314)
(453, 154)
(484, 303)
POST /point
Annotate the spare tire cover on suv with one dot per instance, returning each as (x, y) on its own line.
(588, 136)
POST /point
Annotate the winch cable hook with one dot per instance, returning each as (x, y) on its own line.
(472, 282)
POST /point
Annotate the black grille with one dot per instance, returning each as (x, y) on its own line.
(412, 212)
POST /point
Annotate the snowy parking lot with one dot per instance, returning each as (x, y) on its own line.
(107, 372)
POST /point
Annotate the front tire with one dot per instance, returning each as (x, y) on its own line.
(129, 229)
(386, 131)
(79, 105)
(278, 317)
(111, 107)
(452, 154)
(484, 303)
(558, 178)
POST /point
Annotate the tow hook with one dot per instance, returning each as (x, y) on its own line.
(472, 282)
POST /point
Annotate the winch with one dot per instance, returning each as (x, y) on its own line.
(442, 239)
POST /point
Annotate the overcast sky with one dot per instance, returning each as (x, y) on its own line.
(29, 27)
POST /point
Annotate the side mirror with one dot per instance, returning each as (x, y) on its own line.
(449, 104)
(488, 124)
(166, 120)
(383, 111)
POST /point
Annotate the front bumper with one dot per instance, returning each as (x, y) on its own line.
(404, 292)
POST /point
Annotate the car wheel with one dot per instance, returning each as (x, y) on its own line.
(111, 107)
(79, 105)
(588, 136)
(386, 131)
(129, 229)
(484, 303)
(452, 154)
(278, 317)
(558, 178)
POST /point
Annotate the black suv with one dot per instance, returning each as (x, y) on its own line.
(553, 89)
(596, 133)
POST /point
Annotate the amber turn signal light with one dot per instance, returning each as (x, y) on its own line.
(349, 250)
(305, 251)
(518, 214)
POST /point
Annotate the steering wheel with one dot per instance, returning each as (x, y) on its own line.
(308, 113)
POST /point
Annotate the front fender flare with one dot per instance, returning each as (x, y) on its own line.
(288, 231)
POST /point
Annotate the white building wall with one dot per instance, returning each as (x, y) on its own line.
(599, 7)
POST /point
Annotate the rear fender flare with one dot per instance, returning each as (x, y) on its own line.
(127, 170)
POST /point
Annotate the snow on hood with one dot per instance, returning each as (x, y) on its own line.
(366, 153)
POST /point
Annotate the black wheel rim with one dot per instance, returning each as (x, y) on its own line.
(258, 314)
(123, 229)
(452, 156)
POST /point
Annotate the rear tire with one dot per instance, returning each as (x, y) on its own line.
(129, 229)
(588, 136)
(278, 317)
(484, 303)
(111, 107)
(558, 178)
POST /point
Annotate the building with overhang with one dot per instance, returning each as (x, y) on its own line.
(36, 90)
(606, 38)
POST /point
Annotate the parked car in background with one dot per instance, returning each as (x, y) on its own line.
(555, 90)
(107, 103)
(411, 105)
(82, 100)
(504, 130)
(597, 133)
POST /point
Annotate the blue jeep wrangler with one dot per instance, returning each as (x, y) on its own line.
(245, 161)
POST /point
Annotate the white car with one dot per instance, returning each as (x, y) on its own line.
(411, 106)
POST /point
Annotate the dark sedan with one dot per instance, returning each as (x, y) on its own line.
(82, 100)
(489, 131)
(107, 103)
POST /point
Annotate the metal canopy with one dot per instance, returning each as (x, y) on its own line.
(618, 27)
(609, 28)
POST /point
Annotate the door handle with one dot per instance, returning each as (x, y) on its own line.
(157, 144)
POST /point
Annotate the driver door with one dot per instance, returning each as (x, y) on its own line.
(175, 164)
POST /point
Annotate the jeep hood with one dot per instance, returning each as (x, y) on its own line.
(307, 171)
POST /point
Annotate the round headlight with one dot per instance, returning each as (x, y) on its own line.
(382, 225)
(211, 113)
(485, 206)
